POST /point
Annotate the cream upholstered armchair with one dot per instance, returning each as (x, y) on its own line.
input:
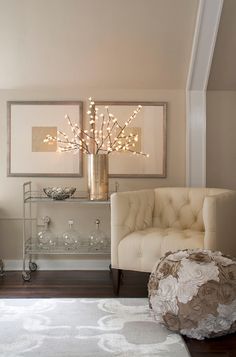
(146, 224)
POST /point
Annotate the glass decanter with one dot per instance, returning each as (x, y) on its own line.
(97, 238)
(45, 237)
(71, 237)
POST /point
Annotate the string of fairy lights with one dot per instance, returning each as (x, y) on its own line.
(104, 136)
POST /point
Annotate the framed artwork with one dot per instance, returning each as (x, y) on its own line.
(28, 124)
(150, 127)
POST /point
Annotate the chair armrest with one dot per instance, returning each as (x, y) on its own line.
(130, 211)
(219, 216)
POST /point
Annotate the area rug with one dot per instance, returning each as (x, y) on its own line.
(84, 327)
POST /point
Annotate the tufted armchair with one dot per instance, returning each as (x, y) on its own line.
(146, 224)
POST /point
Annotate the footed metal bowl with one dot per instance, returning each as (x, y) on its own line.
(59, 193)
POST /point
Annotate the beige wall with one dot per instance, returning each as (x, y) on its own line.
(11, 187)
(96, 43)
(221, 139)
(223, 75)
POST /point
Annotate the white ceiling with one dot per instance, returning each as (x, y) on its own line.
(223, 72)
(96, 43)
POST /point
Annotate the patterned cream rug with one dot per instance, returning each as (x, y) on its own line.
(84, 327)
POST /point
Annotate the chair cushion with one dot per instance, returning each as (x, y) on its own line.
(141, 249)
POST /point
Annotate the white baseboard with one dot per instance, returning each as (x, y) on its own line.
(62, 264)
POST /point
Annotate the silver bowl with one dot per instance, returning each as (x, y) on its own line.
(59, 193)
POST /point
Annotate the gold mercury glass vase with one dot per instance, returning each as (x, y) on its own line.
(98, 177)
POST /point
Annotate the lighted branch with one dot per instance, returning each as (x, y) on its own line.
(106, 136)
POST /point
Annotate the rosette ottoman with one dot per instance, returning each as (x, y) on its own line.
(194, 292)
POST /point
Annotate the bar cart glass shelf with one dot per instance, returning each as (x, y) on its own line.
(31, 245)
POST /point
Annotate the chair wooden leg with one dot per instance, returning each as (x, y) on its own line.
(116, 277)
(1, 267)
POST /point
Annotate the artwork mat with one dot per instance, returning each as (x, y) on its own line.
(133, 105)
(39, 133)
(56, 164)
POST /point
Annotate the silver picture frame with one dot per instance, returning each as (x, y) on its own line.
(151, 123)
(27, 123)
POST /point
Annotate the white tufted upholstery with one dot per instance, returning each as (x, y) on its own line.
(145, 224)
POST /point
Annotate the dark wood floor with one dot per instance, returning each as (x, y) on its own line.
(46, 284)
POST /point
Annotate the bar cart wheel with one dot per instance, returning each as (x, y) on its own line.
(26, 276)
(33, 266)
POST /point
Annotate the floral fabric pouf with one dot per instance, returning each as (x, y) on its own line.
(194, 292)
